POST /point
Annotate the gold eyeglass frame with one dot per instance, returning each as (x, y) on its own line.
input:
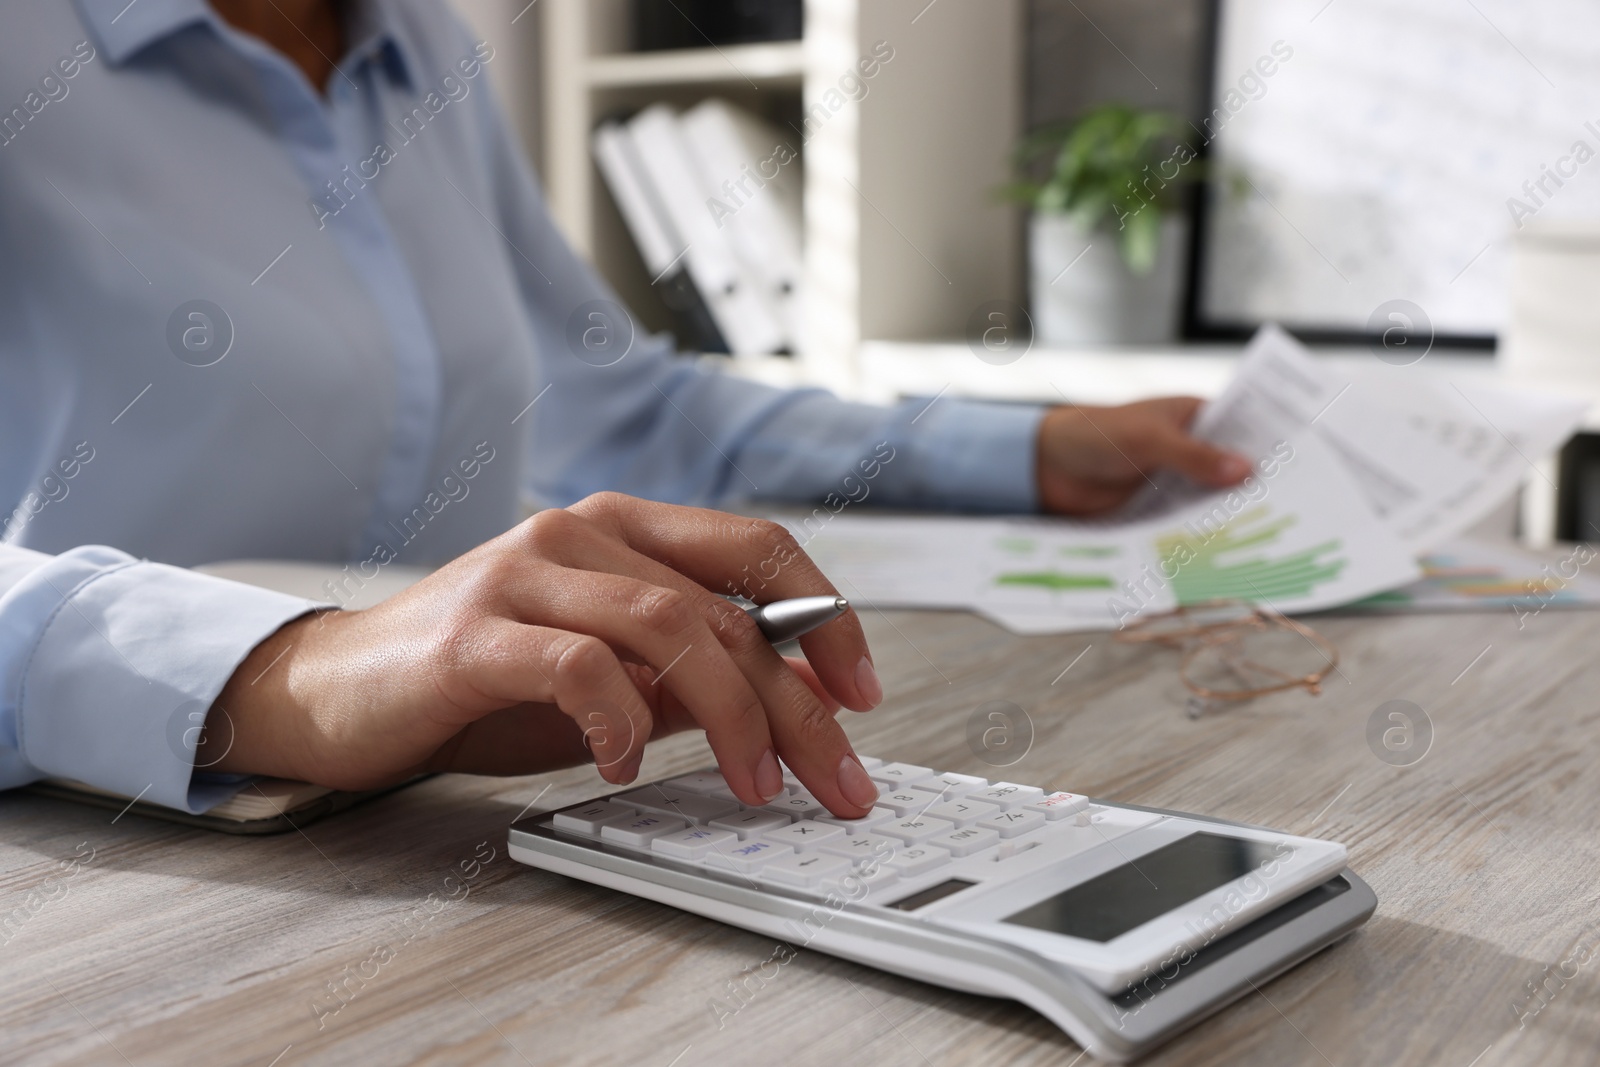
(1199, 637)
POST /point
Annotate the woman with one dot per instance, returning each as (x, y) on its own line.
(259, 303)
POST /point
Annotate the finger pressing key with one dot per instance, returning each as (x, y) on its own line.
(757, 559)
(666, 630)
(712, 549)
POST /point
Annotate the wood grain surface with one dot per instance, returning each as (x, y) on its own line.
(384, 935)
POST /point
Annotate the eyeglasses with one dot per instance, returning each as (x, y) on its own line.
(1233, 651)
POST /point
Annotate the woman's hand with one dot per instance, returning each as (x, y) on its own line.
(585, 630)
(1092, 459)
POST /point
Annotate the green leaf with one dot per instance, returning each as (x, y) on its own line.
(1051, 199)
(1113, 160)
(1089, 209)
(1141, 240)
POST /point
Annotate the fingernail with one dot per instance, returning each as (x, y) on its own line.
(769, 779)
(867, 683)
(855, 785)
(1232, 468)
(630, 770)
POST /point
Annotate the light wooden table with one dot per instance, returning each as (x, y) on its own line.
(179, 946)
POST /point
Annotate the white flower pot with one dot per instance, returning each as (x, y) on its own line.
(1552, 334)
(1084, 294)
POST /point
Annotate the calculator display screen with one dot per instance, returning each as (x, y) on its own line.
(932, 893)
(1124, 897)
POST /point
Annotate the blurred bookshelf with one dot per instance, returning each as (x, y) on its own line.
(778, 64)
(902, 236)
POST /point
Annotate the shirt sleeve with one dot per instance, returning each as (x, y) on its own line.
(654, 424)
(109, 666)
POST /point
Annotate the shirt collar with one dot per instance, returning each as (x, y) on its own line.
(373, 38)
(123, 28)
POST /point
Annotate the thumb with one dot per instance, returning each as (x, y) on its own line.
(1207, 464)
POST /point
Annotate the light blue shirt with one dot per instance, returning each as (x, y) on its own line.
(239, 319)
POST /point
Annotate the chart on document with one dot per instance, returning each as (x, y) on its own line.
(1286, 541)
(1354, 479)
(1018, 572)
(1240, 562)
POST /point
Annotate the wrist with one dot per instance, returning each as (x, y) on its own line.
(1054, 430)
(262, 721)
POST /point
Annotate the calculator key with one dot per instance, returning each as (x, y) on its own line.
(696, 809)
(750, 822)
(1010, 850)
(694, 843)
(913, 860)
(805, 835)
(1013, 823)
(1009, 794)
(965, 840)
(797, 805)
(1055, 806)
(915, 828)
(1090, 814)
(856, 826)
(745, 857)
(639, 829)
(908, 801)
(863, 846)
(588, 818)
(956, 784)
(871, 876)
(897, 774)
(704, 782)
(1065, 837)
(805, 870)
(871, 763)
(1117, 820)
(652, 797)
(700, 809)
(962, 812)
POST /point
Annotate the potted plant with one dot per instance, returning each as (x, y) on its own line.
(1105, 238)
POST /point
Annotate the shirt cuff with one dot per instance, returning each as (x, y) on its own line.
(976, 456)
(110, 666)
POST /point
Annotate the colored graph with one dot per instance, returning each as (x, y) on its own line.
(1192, 557)
(1056, 581)
(1042, 573)
(1443, 580)
(1017, 546)
(1473, 576)
(1028, 546)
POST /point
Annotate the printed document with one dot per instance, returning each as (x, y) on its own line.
(1353, 479)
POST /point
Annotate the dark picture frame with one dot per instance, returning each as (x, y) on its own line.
(1196, 325)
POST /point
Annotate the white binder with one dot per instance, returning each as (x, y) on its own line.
(750, 173)
(658, 245)
(740, 309)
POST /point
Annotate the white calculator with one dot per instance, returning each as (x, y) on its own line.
(1122, 925)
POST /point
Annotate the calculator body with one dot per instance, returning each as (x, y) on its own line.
(1123, 925)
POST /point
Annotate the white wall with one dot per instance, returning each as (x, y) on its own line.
(512, 28)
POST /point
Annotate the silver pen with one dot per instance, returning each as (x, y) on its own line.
(785, 620)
